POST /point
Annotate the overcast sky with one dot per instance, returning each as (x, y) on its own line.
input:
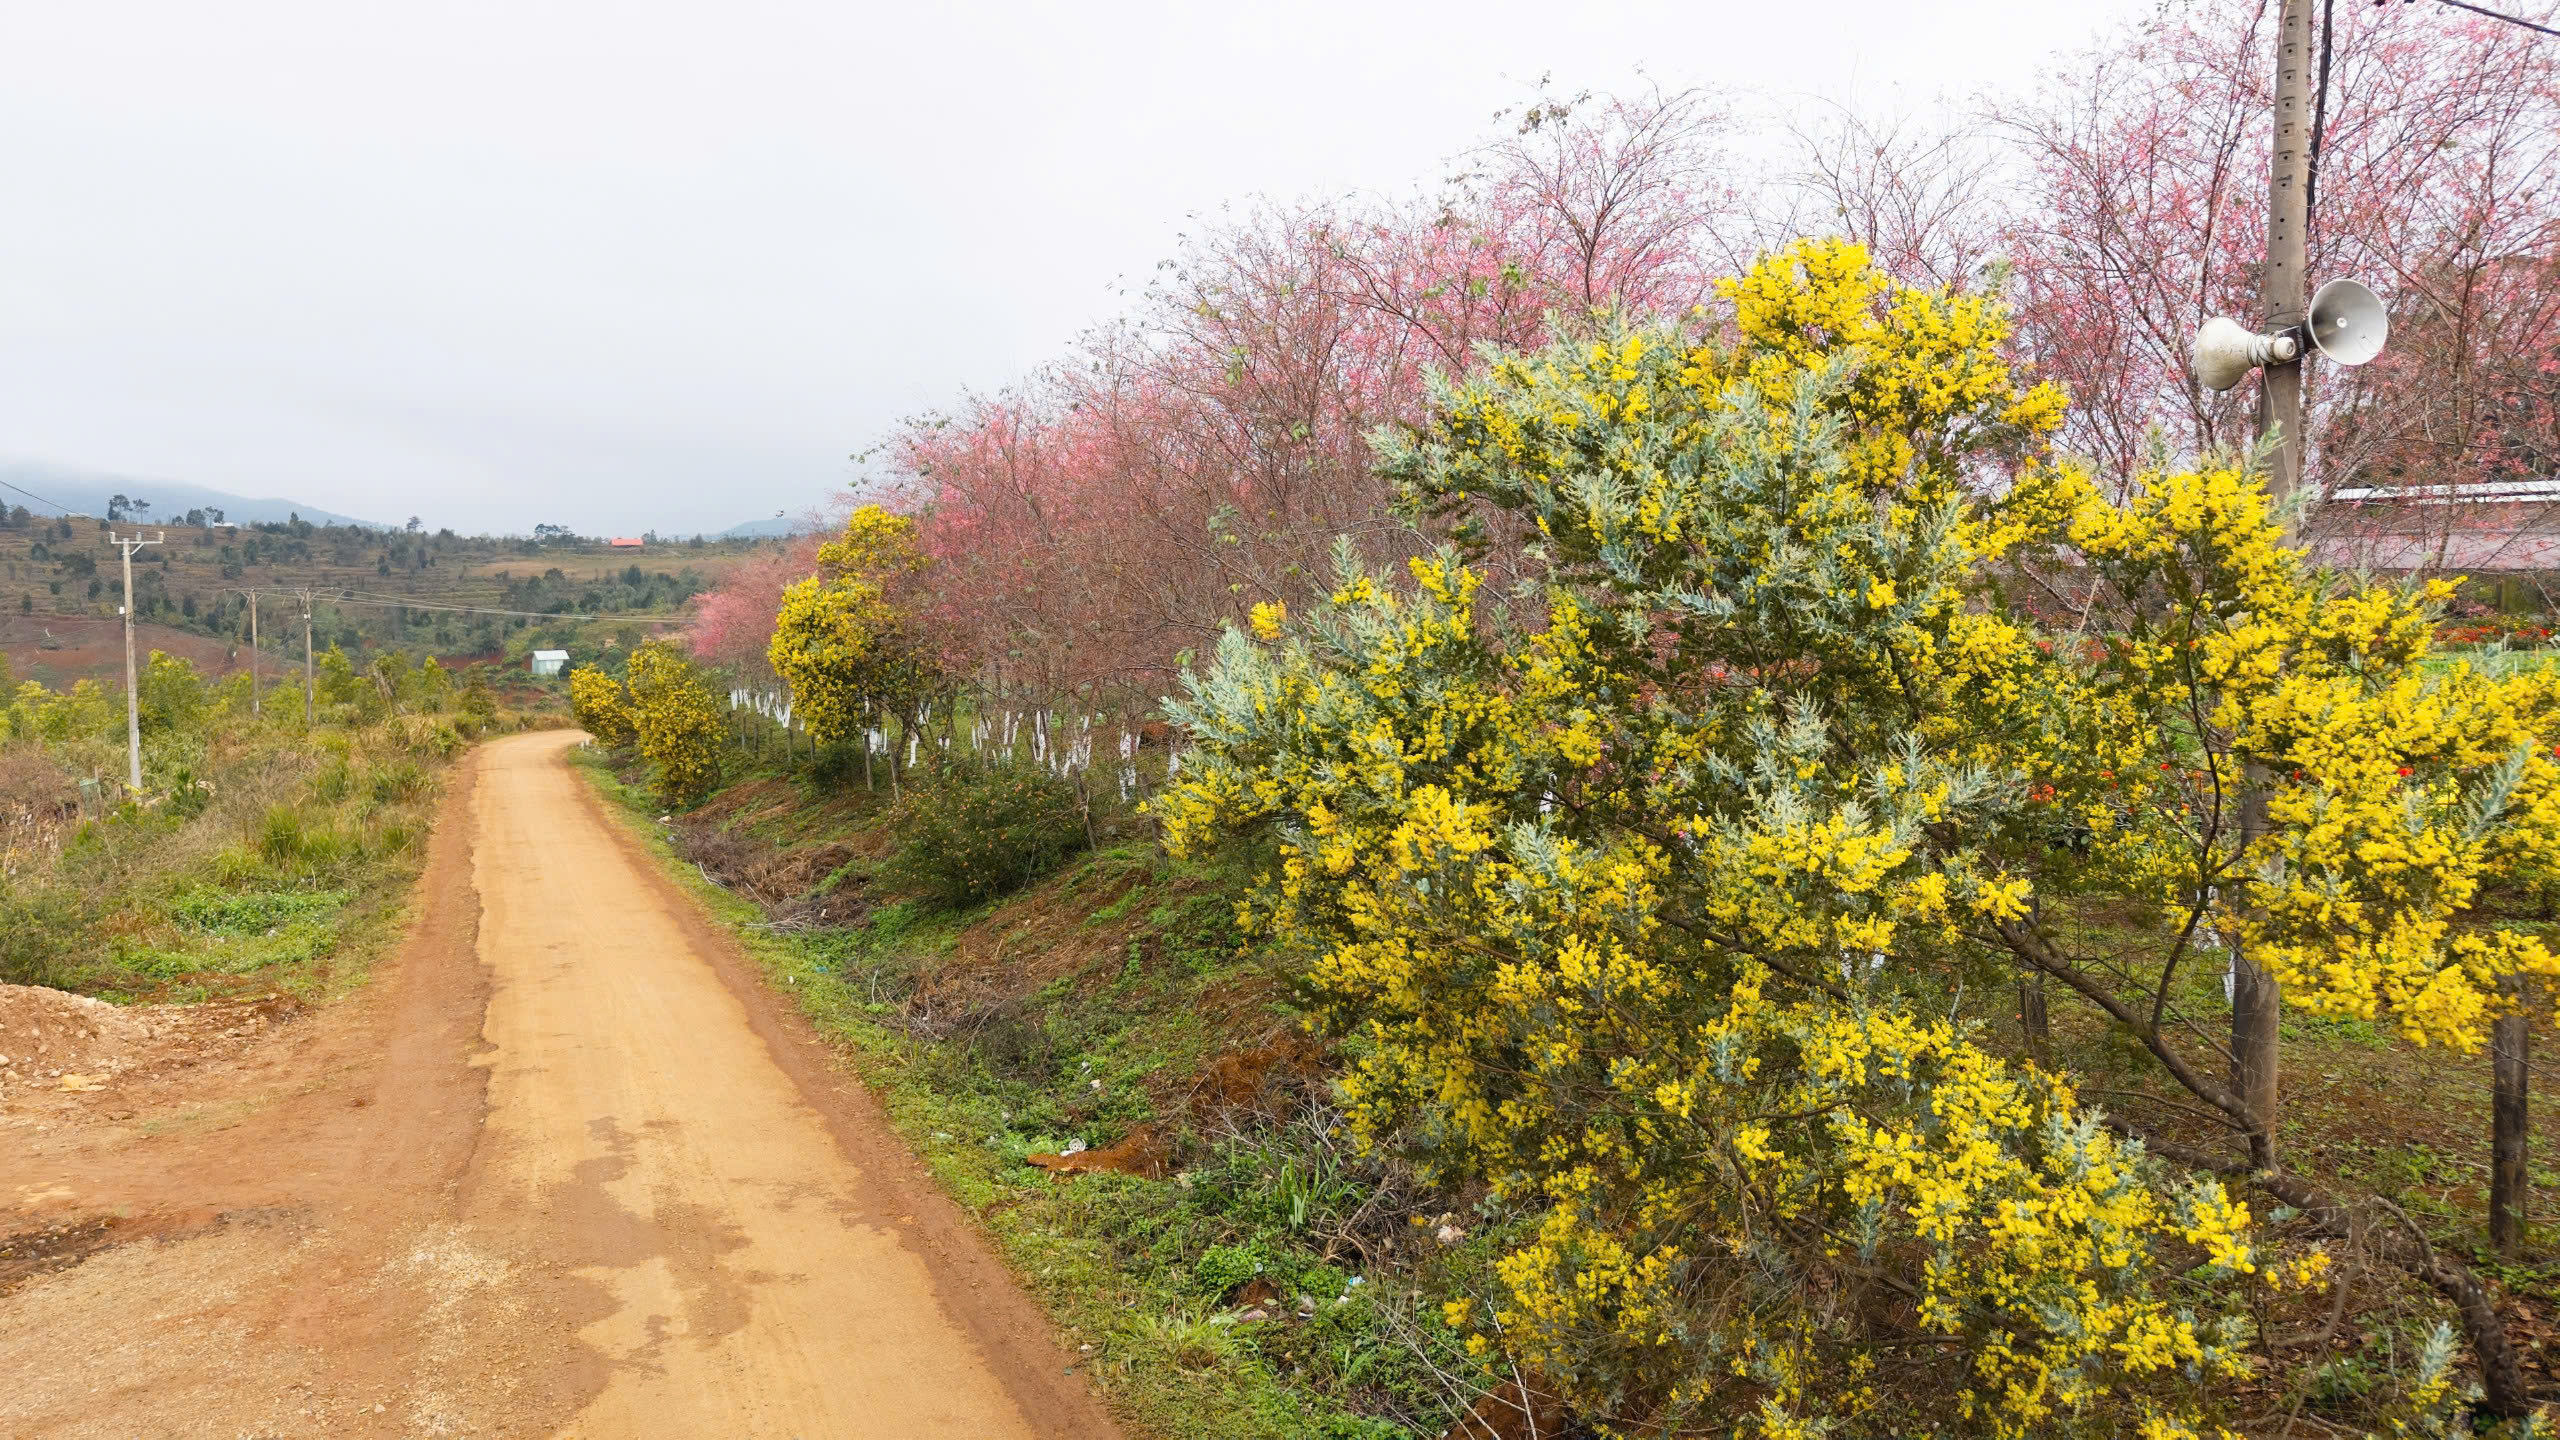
(635, 264)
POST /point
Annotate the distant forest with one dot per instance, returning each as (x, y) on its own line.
(374, 589)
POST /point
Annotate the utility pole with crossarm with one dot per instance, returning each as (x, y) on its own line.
(132, 711)
(253, 652)
(310, 705)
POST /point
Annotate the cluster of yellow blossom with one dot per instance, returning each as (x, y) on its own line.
(2402, 793)
(675, 720)
(1523, 996)
(40, 714)
(602, 707)
(841, 644)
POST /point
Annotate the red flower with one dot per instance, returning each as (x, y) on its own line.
(2404, 770)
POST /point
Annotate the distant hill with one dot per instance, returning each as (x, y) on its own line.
(754, 529)
(87, 492)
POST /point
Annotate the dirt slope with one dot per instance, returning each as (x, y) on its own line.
(564, 1171)
(61, 649)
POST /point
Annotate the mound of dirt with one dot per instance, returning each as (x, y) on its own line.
(46, 1035)
(53, 1040)
(1140, 1152)
(1244, 1078)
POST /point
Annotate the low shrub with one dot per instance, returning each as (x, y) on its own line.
(838, 766)
(189, 797)
(334, 782)
(401, 780)
(281, 837)
(1222, 1270)
(221, 912)
(42, 937)
(298, 849)
(963, 838)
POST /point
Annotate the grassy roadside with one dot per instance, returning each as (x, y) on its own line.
(1255, 1278)
(265, 856)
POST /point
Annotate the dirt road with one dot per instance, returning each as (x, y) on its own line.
(564, 1170)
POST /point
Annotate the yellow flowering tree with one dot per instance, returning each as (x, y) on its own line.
(675, 720)
(602, 707)
(841, 640)
(81, 711)
(1651, 893)
(173, 696)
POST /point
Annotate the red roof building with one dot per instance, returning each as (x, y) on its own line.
(624, 542)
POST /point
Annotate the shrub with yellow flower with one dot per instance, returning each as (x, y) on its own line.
(675, 720)
(851, 656)
(1650, 893)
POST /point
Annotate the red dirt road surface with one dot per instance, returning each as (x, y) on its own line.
(564, 1169)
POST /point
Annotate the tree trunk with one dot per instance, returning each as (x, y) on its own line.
(2510, 1043)
(2257, 1007)
(2033, 1023)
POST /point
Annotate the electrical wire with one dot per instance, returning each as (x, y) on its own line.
(400, 602)
(2319, 125)
(376, 597)
(30, 494)
(393, 602)
(2496, 15)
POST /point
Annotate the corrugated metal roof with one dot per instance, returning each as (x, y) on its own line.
(2486, 492)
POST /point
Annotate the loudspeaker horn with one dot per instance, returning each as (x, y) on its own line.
(2347, 322)
(2226, 351)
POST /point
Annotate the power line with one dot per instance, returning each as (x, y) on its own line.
(30, 494)
(393, 602)
(400, 602)
(376, 597)
(2319, 120)
(2496, 15)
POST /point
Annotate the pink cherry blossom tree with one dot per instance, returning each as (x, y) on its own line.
(2142, 213)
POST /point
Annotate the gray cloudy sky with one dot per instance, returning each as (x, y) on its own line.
(634, 264)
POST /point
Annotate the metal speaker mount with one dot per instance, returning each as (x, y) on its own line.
(2347, 323)
(2225, 351)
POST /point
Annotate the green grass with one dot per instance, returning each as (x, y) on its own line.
(264, 857)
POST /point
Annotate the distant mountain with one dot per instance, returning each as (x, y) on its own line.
(757, 529)
(87, 492)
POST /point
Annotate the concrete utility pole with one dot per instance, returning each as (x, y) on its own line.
(310, 704)
(253, 652)
(2281, 290)
(2256, 1003)
(132, 712)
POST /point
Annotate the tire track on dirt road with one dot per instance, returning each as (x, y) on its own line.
(637, 1201)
